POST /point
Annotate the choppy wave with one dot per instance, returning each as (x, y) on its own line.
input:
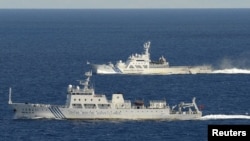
(223, 116)
(233, 71)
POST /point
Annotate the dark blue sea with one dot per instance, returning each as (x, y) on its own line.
(43, 51)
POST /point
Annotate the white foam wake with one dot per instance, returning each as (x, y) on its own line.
(222, 116)
(233, 71)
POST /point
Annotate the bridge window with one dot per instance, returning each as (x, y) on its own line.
(77, 105)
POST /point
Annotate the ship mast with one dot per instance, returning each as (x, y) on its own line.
(86, 83)
(10, 101)
(146, 49)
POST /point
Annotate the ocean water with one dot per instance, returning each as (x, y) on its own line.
(42, 51)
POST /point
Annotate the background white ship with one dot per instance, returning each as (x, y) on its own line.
(83, 103)
(142, 64)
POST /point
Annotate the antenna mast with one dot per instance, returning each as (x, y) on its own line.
(10, 102)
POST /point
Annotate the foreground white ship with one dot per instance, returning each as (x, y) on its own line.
(83, 103)
(141, 64)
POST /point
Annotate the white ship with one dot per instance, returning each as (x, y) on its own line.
(142, 64)
(83, 103)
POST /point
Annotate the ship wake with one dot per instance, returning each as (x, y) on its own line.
(234, 66)
(223, 116)
(232, 71)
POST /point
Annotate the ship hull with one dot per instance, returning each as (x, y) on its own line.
(107, 69)
(37, 111)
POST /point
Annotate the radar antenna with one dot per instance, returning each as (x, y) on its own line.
(88, 74)
(86, 82)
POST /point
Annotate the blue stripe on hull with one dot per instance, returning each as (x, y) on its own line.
(56, 112)
(59, 112)
(117, 70)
